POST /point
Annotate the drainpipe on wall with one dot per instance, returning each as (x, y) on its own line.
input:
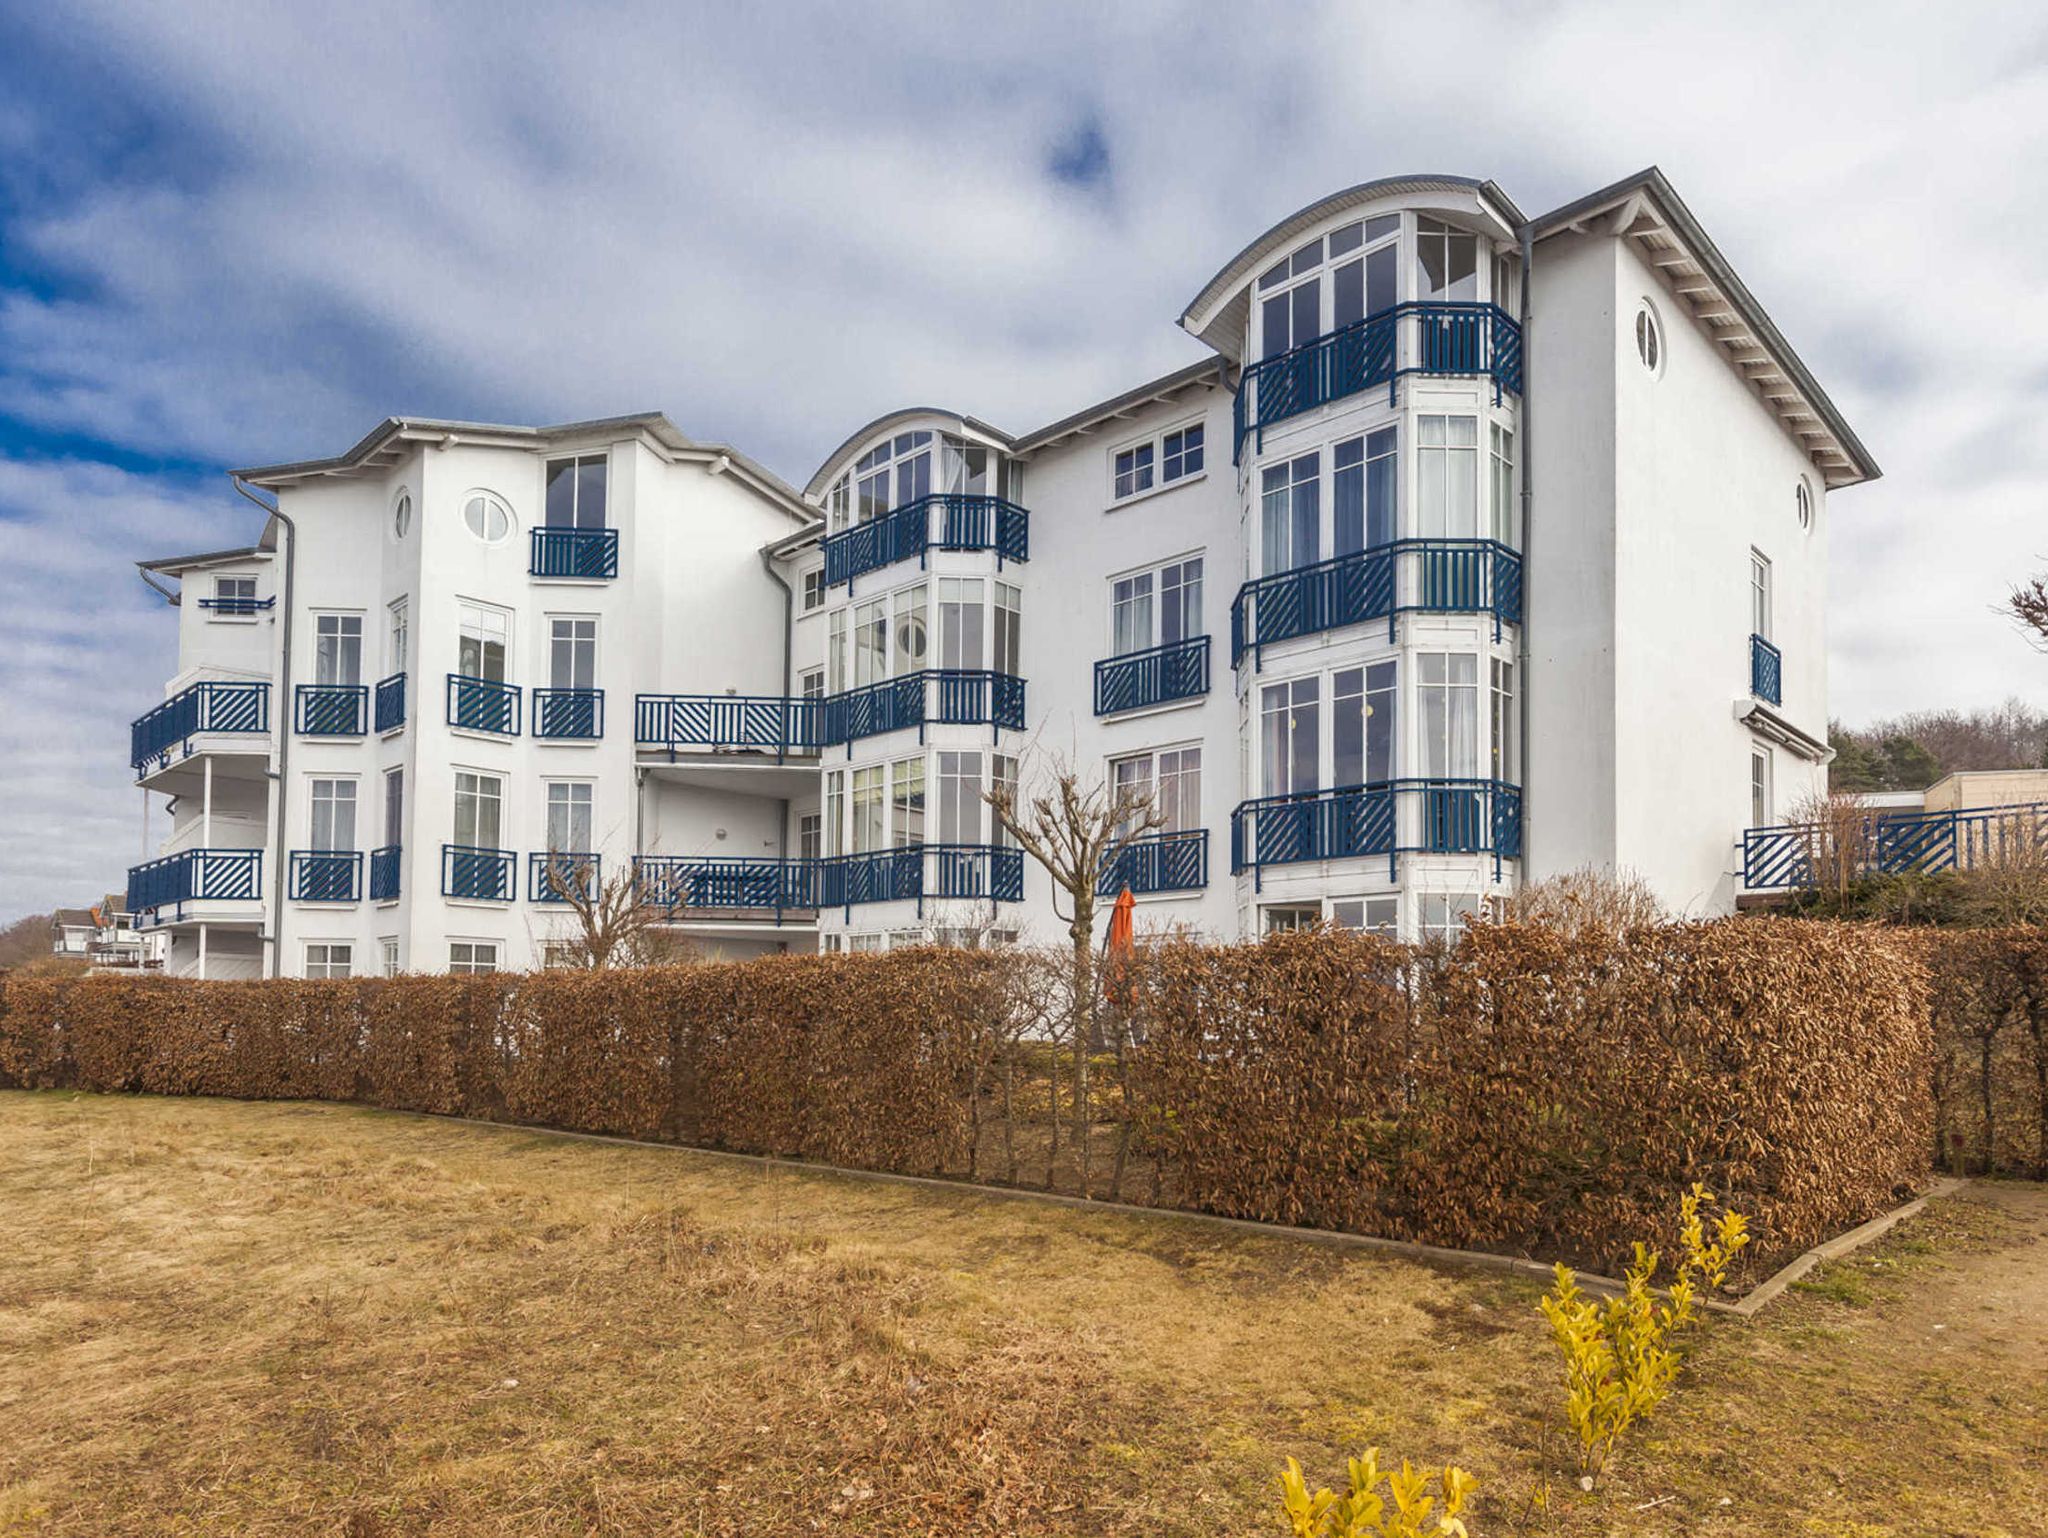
(1528, 496)
(788, 643)
(283, 716)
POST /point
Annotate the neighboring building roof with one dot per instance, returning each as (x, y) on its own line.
(73, 918)
(178, 565)
(1217, 313)
(1118, 407)
(394, 437)
(822, 476)
(1644, 208)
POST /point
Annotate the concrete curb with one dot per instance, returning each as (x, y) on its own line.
(1745, 1308)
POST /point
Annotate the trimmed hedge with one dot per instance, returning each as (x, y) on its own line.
(1990, 1005)
(1532, 1091)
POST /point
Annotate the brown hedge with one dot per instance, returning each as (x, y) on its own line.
(1990, 1015)
(1533, 1091)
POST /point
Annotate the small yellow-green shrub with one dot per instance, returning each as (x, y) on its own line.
(1404, 1512)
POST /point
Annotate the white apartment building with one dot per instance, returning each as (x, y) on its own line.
(1480, 548)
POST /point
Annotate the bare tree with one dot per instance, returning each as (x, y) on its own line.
(2028, 604)
(613, 924)
(1073, 829)
(1840, 838)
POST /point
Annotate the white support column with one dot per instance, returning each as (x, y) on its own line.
(206, 806)
(202, 950)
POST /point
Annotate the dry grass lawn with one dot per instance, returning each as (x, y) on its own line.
(312, 1319)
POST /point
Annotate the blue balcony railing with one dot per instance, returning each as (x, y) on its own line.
(194, 875)
(934, 697)
(384, 869)
(483, 705)
(555, 878)
(1159, 862)
(479, 875)
(681, 882)
(589, 554)
(1420, 337)
(1766, 671)
(568, 715)
(1179, 670)
(1385, 820)
(1794, 856)
(330, 710)
(1410, 576)
(238, 607)
(390, 703)
(942, 521)
(241, 708)
(326, 876)
(756, 723)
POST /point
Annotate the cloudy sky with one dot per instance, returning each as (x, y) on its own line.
(232, 235)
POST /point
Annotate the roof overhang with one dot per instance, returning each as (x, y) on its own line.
(1165, 390)
(178, 565)
(1218, 314)
(971, 428)
(396, 437)
(1769, 724)
(1644, 210)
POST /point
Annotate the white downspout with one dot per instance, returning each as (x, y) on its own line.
(202, 952)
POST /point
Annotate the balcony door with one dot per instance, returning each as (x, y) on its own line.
(577, 492)
(572, 652)
(484, 642)
(479, 807)
(334, 816)
(338, 650)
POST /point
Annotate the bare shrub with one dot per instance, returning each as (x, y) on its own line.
(1587, 899)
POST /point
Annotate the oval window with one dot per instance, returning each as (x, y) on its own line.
(486, 517)
(1804, 497)
(401, 516)
(1649, 342)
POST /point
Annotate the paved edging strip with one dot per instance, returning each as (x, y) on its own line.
(1745, 1308)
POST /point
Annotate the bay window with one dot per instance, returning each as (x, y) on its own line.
(1448, 685)
(1363, 482)
(960, 798)
(1447, 477)
(1290, 514)
(1290, 736)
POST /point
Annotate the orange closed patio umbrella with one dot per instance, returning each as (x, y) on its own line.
(1117, 948)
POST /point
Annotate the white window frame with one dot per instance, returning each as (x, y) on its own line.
(470, 967)
(576, 462)
(218, 615)
(1156, 769)
(397, 636)
(354, 799)
(388, 962)
(1155, 600)
(811, 590)
(492, 503)
(1387, 904)
(1326, 701)
(1763, 803)
(574, 641)
(1760, 595)
(1154, 446)
(482, 776)
(328, 959)
(472, 615)
(340, 633)
(548, 802)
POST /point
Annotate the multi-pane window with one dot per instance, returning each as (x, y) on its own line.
(1291, 300)
(576, 492)
(809, 836)
(1180, 454)
(906, 803)
(390, 949)
(1009, 629)
(572, 652)
(961, 622)
(835, 812)
(334, 815)
(813, 589)
(466, 957)
(569, 817)
(870, 642)
(1504, 723)
(1169, 781)
(1362, 725)
(1446, 262)
(892, 475)
(959, 798)
(835, 649)
(870, 827)
(1759, 595)
(1130, 608)
(234, 596)
(1363, 285)
(1156, 608)
(1287, 918)
(1759, 787)
(1290, 735)
(1447, 477)
(483, 642)
(1363, 481)
(1290, 514)
(1002, 781)
(1375, 915)
(1503, 478)
(1133, 470)
(966, 467)
(1355, 263)
(1442, 918)
(1448, 686)
(907, 621)
(479, 803)
(398, 637)
(325, 958)
(1130, 789)
(811, 683)
(338, 649)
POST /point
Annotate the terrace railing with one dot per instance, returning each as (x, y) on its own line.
(1383, 820)
(1410, 576)
(726, 883)
(479, 875)
(755, 723)
(586, 554)
(326, 876)
(1179, 670)
(941, 872)
(1766, 671)
(941, 521)
(483, 705)
(241, 708)
(1160, 862)
(1419, 337)
(330, 710)
(568, 715)
(194, 875)
(390, 703)
(934, 697)
(1798, 856)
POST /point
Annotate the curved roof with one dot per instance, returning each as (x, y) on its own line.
(1201, 317)
(814, 488)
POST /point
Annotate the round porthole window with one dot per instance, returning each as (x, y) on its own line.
(1803, 495)
(486, 517)
(1649, 340)
(401, 516)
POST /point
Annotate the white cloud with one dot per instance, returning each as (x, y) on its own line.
(775, 223)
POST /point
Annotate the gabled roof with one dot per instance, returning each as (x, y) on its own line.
(394, 437)
(822, 476)
(1645, 210)
(1217, 314)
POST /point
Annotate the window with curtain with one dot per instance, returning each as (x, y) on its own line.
(960, 798)
(1447, 477)
(1290, 736)
(1447, 684)
(1290, 514)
